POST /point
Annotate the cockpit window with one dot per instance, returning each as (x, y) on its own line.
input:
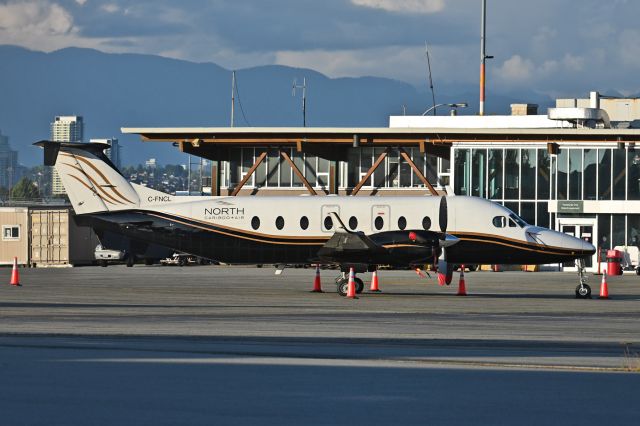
(518, 220)
(499, 221)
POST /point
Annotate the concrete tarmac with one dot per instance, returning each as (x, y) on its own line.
(238, 345)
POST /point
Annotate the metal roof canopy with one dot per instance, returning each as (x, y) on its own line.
(333, 142)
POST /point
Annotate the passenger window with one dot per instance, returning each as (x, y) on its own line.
(255, 222)
(426, 223)
(328, 223)
(499, 221)
(378, 223)
(402, 223)
(512, 224)
(353, 223)
(304, 222)
(279, 222)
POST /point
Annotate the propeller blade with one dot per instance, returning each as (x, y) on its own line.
(443, 216)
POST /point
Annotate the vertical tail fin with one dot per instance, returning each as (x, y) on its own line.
(91, 180)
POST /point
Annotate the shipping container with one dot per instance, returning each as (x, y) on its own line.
(57, 240)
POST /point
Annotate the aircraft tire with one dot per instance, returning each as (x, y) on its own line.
(359, 285)
(342, 286)
(583, 292)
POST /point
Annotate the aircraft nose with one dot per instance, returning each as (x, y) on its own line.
(558, 239)
(588, 248)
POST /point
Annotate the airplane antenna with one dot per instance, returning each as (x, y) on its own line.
(304, 97)
(433, 94)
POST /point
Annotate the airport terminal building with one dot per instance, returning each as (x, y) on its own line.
(575, 169)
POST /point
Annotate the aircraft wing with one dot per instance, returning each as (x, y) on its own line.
(391, 247)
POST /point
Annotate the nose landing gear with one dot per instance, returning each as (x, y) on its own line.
(583, 291)
(342, 283)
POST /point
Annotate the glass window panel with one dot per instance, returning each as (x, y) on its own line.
(528, 212)
(478, 172)
(633, 230)
(419, 160)
(394, 171)
(543, 215)
(445, 165)
(619, 173)
(235, 166)
(563, 162)
(247, 159)
(604, 230)
(575, 174)
(310, 169)
(273, 160)
(528, 160)
(513, 206)
(495, 174)
(431, 168)
(323, 165)
(298, 160)
(381, 172)
(512, 174)
(366, 162)
(260, 175)
(604, 174)
(590, 166)
(618, 230)
(285, 172)
(633, 175)
(543, 175)
(406, 174)
(462, 175)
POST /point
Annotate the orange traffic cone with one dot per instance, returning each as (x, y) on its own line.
(462, 289)
(604, 288)
(351, 290)
(15, 276)
(374, 281)
(317, 288)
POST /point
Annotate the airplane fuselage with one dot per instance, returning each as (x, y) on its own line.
(290, 230)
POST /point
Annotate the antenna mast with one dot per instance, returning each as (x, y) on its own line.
(233, 96)
(433, 94)
(304, 98)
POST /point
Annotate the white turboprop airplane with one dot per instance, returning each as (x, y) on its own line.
(352, 232)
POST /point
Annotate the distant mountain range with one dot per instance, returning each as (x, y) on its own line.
(130, 90)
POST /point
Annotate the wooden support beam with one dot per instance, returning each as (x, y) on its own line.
(373, 168)
(246, 177)
(298, 173)
(417, 171)
(215, 178)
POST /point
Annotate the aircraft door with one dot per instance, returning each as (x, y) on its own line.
(326, 222)
(380, 218)
(583, 229)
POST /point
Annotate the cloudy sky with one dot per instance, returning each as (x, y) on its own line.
(557, 47)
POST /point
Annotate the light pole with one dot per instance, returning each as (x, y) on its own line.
(483, 55)
(454, 106)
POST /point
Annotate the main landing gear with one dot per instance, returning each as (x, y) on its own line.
(583, 291)
(342, 284)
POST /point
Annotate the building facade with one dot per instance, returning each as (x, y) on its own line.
(10, 171)
(113, 153)
(65, 128)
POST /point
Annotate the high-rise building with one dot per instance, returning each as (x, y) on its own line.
(9, 169)
(114, 152)
(65, 128)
